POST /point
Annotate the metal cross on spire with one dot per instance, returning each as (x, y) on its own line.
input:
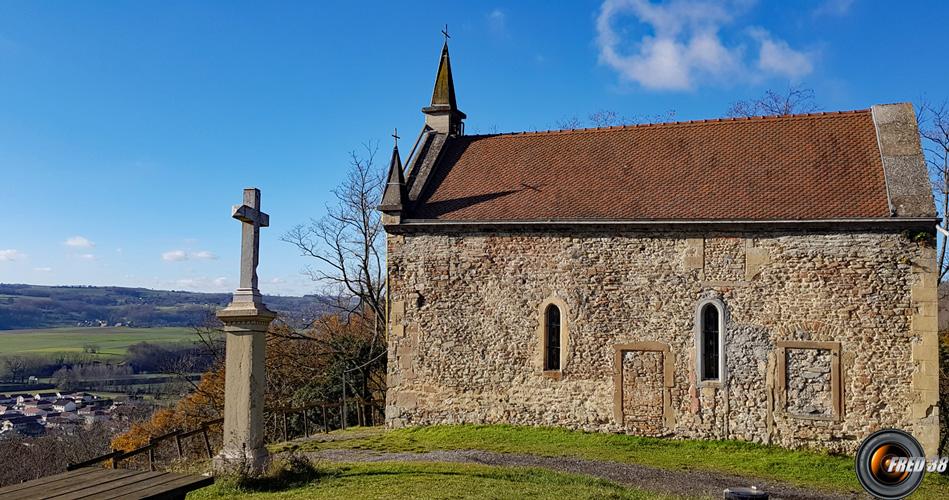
(445, 32)
(395, 135)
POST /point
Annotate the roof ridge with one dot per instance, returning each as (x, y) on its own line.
(683, 123)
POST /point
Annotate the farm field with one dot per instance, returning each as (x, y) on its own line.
(110, 341)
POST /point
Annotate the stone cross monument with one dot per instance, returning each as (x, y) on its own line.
(245, 320)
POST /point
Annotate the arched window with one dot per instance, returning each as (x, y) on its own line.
(710, 341)
(552, 338)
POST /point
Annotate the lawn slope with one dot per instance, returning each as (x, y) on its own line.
(430, 481)
(803, 468)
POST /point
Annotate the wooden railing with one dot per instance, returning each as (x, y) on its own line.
(366, 411)
(117, 455)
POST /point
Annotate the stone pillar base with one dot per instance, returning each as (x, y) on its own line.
(241, 462)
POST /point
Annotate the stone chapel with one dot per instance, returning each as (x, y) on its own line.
(769, 279)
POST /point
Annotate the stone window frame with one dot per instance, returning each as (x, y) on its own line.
(722, 338)
(542, 335)
(668, 377)
(836, 379)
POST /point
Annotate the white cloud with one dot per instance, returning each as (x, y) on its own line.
(87, 256)
(10, 255)
(204, 255)
(43, 269)
(683, 45)
(174, 256)
(79, 242)
(195, 283)
(833, 8)
(181, 255)
(778, 58)
(497, 21)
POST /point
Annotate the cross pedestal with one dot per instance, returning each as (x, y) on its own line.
(246, 320)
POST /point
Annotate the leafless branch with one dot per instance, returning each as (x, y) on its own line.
(934, 132)
(347, 243)
(794, 100)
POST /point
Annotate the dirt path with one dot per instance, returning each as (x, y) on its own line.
(692, 483)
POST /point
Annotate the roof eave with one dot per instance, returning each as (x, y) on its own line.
(414, 224)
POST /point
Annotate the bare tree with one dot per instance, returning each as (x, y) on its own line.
(347, 242)
(607, 118)
(15, 367)
(611, 118)
(934, 130)
(25, 458)
(794, 100)
(569, 123)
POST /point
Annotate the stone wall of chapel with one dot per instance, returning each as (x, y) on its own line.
(464, 322)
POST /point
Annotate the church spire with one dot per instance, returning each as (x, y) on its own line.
(444, 93)
(395, 196)
(443, 114)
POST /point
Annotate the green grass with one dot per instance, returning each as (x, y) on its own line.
(392, 480)
(800, 467)
(112, 341)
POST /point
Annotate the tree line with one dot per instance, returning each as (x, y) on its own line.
(36, 306)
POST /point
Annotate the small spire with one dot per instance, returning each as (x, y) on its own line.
(395, 195)
(395, 135)
(443, 114)
(444, 93)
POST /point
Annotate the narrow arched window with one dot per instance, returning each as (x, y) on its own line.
(552, 338)
(710, 343)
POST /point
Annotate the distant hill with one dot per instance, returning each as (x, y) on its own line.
(36, 306)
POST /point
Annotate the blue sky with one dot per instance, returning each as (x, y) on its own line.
(127, 129)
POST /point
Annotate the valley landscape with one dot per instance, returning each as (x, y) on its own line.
(124, 344)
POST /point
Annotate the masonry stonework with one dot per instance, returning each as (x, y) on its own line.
(848, 315)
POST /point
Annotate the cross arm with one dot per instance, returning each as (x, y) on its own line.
(250, 215)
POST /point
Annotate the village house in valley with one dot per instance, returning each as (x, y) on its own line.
(33, 414)
(768, 279)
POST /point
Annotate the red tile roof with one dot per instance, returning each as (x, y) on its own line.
(799, 167)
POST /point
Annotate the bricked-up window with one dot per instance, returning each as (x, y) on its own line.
(552, 338)
(709, 343)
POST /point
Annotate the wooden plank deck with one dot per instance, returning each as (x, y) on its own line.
(98, 483)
